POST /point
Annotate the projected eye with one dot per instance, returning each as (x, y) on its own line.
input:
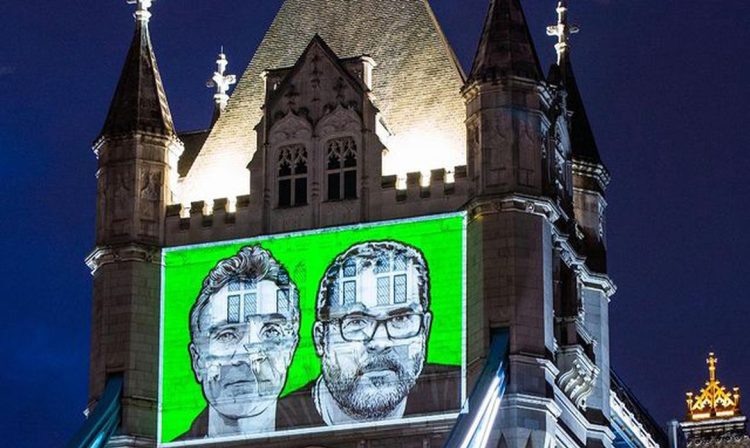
(355, 324)
(401, 321)
(227, 337)
(404, 326)
(271, 332)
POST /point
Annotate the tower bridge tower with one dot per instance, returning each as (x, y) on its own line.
(431, 244)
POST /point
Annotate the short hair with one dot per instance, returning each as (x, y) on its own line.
(369, 253)
(252, 263)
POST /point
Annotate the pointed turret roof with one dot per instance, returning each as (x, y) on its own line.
(582, 136)
(139, 103)
(506, 47)
(561, 74)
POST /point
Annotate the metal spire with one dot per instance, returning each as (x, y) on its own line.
(142, 13)
(711, 361)
(562, 31)
(221, 82)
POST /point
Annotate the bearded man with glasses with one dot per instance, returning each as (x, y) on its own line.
(371, 331)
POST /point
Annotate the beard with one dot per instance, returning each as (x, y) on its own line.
(372, 389)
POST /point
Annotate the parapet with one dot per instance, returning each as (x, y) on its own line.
(413, 194)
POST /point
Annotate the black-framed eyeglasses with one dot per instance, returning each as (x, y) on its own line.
(362, 328)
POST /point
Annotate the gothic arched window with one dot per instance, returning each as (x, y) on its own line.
(292, 184)
(342, 169)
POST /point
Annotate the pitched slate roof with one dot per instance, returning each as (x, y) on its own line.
(193, 142)
(506, 47)
(417, 81)
(139, 103)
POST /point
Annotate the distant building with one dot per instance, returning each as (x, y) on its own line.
(714, 418)
(316, 315)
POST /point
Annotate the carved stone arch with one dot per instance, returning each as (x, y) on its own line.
(339, 122)
(290, 129)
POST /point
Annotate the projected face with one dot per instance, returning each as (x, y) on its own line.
(373, 327)
(244, 335)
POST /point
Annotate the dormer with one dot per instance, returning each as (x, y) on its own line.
(317, 139)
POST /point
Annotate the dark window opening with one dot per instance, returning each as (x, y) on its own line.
(334, 186)
(342, 169)
(285, 193)
(292, 179)
(350, 185)
(300, 191)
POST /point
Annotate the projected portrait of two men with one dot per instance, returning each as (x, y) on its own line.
(310, 331)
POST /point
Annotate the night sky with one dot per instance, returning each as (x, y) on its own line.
(666, 88)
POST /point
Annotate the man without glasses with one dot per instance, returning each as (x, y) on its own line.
(244, 329)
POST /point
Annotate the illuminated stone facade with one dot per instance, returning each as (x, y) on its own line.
(373, 86)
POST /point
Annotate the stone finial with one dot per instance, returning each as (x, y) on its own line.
(562, 30)
(221, 82)
(142, 13)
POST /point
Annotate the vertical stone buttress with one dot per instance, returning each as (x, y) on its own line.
(590, 180)
(510, 232)
(137, 160)
(582, 305)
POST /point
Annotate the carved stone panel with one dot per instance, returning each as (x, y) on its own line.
(497, 150)
(150, 202)
(528, 153)
(120, 199)
(319, 83)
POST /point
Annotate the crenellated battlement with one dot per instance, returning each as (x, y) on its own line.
(412, 194)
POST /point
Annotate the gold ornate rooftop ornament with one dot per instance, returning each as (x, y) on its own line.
(713, 401)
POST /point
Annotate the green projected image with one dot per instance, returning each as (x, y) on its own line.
(303, 332)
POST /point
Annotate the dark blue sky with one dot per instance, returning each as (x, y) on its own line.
(665, 84)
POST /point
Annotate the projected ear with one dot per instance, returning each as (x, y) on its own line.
(427, 323)
(319, 333)
(196, 363)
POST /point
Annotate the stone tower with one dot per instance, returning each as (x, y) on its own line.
(533, 271)
(354, 112)
(137, 153)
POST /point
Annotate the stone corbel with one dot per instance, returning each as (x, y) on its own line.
(520, 204)
(578, 375)
(105, 255)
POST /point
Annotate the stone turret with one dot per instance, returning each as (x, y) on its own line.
(590, 175)
(137, 155)
(582, 317)
(504, 116)
(515, 214)
(590, 178)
